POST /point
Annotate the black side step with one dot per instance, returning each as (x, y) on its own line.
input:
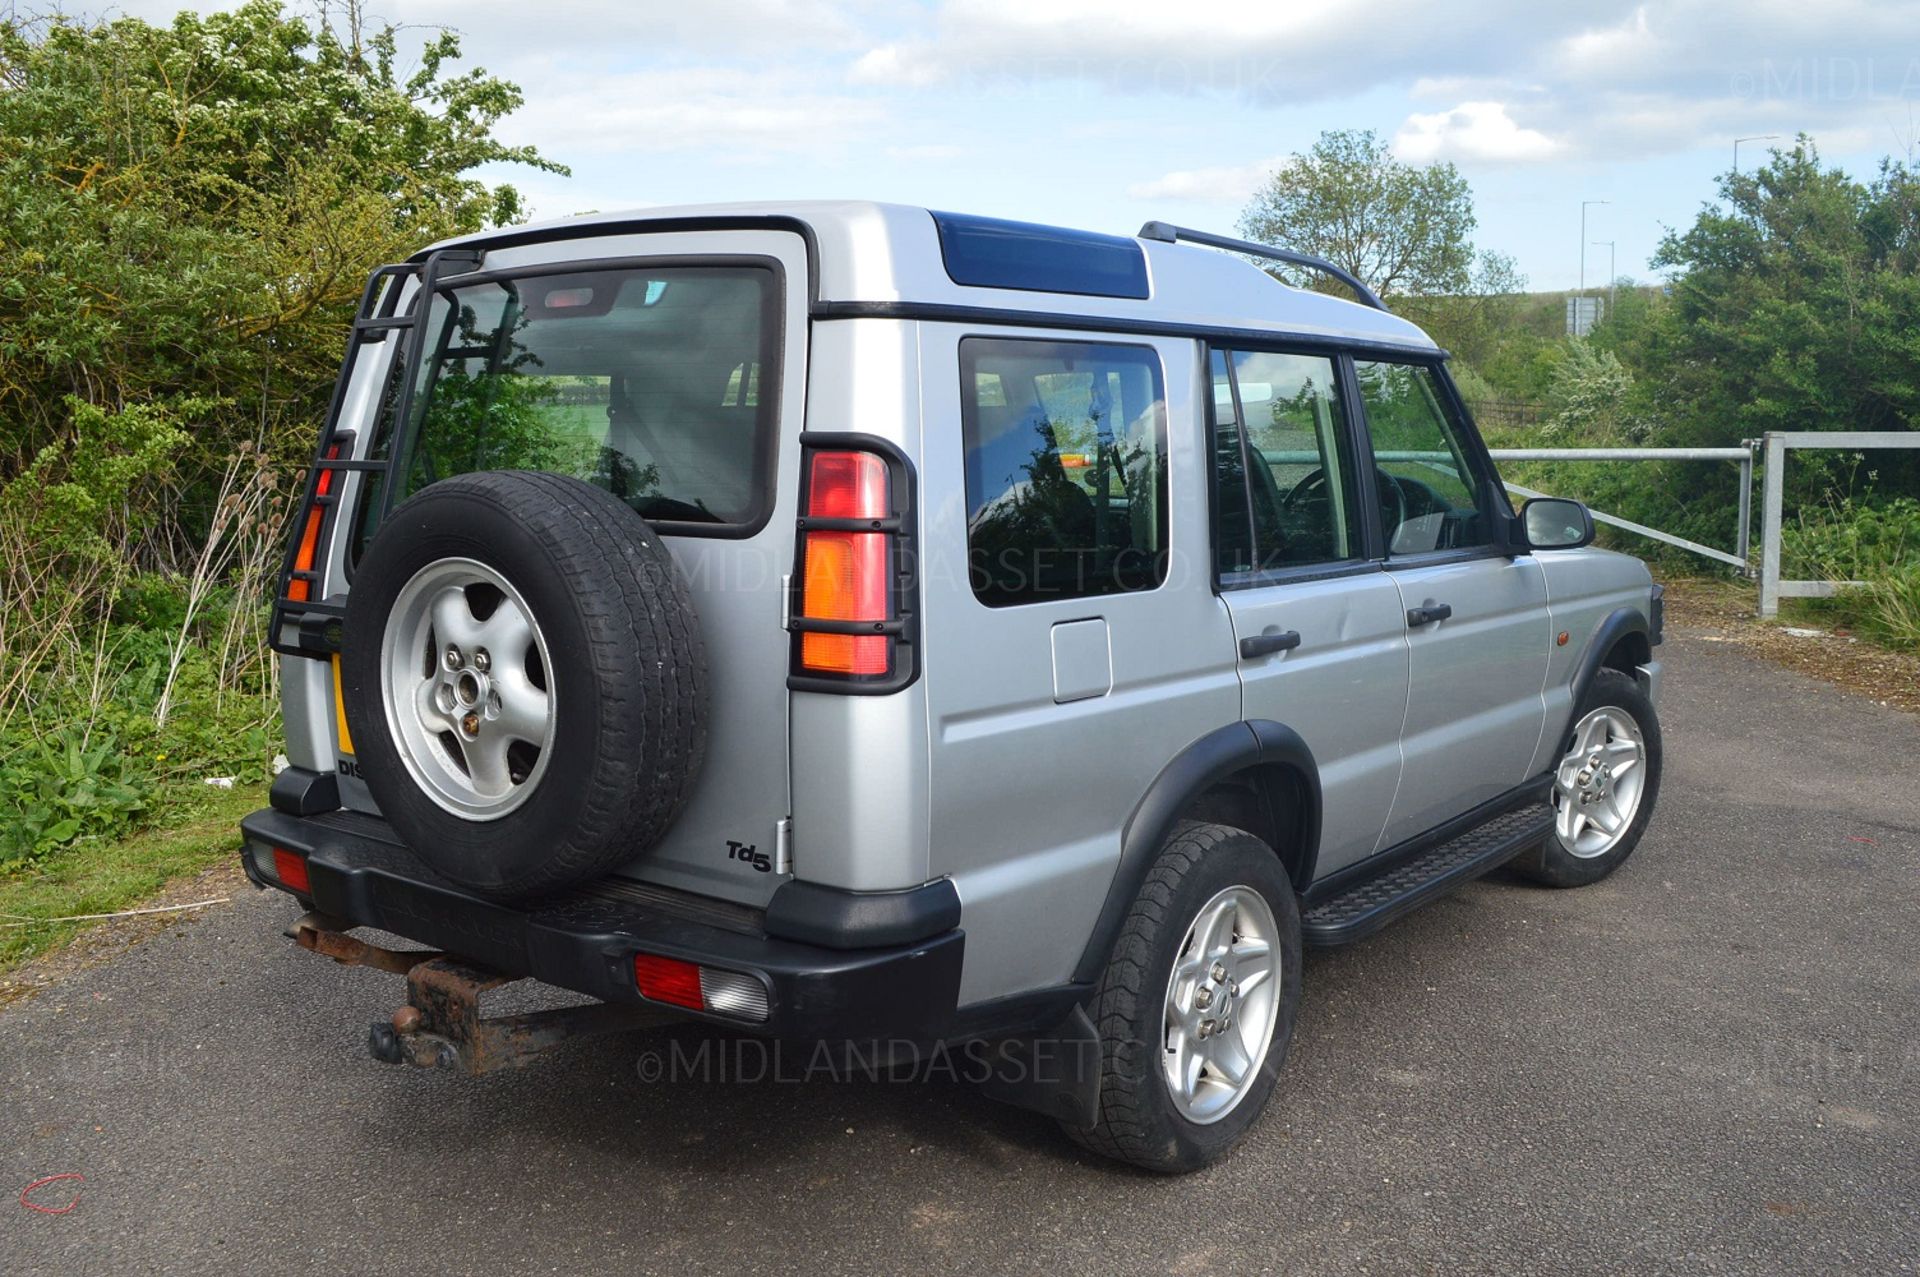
(1360, 906)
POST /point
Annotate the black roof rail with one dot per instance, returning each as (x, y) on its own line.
(1167, 233)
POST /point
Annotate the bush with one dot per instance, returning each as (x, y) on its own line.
(69, 785)
(187, 214)
(1854, 540)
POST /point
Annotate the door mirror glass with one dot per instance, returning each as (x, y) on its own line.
(1555, 523)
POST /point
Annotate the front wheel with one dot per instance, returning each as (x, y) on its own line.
(1197, 1004)
(1603, 787)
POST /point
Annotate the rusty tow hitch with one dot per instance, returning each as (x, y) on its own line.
(441, 1025)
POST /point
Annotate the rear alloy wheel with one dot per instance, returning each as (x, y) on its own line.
(1222, 1000)
(1197, 1003)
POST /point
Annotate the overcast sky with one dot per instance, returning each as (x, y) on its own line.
(1104, 113)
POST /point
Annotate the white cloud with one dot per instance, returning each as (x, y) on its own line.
(891, 66)
(1229, 184)
(1254, 50)
(1477, 132)
(926, 151)
(616, 28)
(728, 112)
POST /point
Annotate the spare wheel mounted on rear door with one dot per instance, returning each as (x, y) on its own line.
(524, 676)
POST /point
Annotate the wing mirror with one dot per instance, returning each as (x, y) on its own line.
(1555, 523)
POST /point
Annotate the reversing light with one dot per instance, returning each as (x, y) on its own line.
(290, 867)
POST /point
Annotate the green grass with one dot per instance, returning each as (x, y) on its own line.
(108, 876)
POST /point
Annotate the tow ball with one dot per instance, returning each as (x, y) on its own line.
(441, 1026)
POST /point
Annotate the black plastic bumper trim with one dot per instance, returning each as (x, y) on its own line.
(836, 919)
(299, 791)
(587, 941)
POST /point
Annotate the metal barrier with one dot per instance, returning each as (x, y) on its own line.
(1742, 456)
(1777, 444)
(1774, 444)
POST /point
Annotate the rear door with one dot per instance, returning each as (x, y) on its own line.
(671, 370)
(1321, 642)
(1073, 644)
(1477, 626)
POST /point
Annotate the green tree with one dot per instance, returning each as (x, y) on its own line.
(1478, 320)
(1796, 307)
(187, 215)
(192, 209)
(1401, 228)
(1798, 303)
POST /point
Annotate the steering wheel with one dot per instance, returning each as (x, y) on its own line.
(1393, 497)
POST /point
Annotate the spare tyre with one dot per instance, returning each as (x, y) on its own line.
(524, 679)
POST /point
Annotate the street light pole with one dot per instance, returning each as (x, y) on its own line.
(1758, 137)
(1584, 204)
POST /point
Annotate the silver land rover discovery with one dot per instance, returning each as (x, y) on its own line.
(851, 623)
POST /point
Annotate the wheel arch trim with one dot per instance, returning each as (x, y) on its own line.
(1618, 624)
(1220, 754)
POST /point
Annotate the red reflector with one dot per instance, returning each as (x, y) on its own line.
(290, 867)
(668, 980)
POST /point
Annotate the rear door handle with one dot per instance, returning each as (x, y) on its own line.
(1418, 616)
(1267, 644)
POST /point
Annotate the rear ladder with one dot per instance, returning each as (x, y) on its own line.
(301, 624)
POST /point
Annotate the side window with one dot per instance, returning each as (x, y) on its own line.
(1066, 468)
(1429, 496)
(1283, 480)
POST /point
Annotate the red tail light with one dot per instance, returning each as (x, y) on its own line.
(299, 589)
(846, 574)
(290, 867)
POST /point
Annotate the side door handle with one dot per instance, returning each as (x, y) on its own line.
(1418, 616)
(1267, 644)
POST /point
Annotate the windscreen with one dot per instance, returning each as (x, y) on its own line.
(656, 384)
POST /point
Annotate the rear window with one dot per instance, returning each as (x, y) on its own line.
(656, 384)
(1066, 465)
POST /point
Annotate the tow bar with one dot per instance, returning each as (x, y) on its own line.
(441, 1027)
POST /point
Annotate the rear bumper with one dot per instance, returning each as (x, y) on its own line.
(587, 941)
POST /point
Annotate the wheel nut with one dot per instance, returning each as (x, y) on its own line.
(1234, 989)
(454, 658)
(470, 724)
(1203, 998)
(1585, 777)
(1219, 973)
(1206, 1028)
(481, 661)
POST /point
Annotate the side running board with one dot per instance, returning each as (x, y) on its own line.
(1360, 901)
